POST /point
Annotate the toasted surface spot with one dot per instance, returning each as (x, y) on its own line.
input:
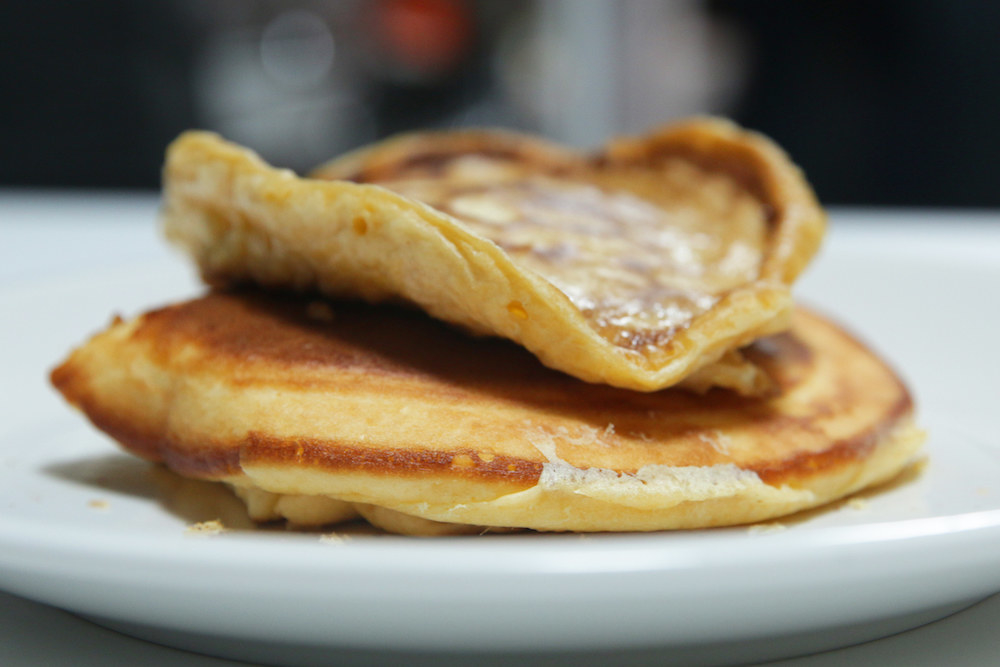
(386, 407)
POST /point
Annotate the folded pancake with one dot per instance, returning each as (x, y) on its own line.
(316, 411)
(640, 266)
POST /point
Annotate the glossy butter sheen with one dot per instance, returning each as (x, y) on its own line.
(637, 271)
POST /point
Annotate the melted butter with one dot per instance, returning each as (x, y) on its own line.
(640, 257)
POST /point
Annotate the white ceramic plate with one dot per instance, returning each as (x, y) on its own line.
(88, 529)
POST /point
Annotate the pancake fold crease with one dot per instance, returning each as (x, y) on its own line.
(646, 264)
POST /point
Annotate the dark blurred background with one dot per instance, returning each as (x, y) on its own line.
(882, 103)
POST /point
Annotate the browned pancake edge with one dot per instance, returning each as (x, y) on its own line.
(150, 384)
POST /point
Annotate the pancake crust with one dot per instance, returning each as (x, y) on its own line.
(383, 411)
(645, 264)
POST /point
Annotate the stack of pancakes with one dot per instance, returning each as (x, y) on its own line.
(457, 331)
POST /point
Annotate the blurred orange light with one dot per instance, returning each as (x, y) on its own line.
(430, 36)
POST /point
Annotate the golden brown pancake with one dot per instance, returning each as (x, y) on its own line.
(644, 265)
(316, 410)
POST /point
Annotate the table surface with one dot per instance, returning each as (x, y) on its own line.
(82, 229)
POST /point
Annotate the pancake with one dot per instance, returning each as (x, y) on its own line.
(644, 265)
(317, 411)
